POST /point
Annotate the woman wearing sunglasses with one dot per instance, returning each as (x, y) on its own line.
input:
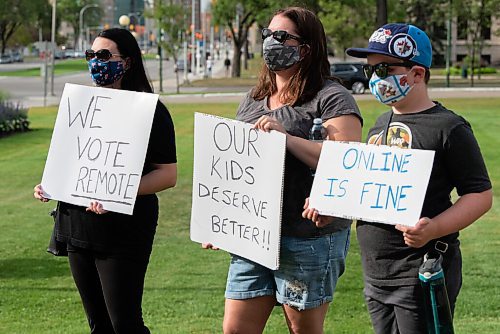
(109, 252)
(294, 88)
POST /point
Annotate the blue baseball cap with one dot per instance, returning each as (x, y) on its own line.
(398, 40)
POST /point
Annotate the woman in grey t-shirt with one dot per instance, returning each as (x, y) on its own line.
(294, 88)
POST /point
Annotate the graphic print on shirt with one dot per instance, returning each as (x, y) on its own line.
(398, 135)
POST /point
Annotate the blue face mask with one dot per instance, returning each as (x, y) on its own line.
(392, 89)
(105, 73)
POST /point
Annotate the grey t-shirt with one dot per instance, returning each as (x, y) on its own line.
(331, 101)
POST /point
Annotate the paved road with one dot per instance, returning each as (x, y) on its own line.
(29, 91)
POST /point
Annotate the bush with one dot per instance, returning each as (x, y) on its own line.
(13, 118)
(485, 70)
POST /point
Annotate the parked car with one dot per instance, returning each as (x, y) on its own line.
(59, 54)
(17, 57)
(179, 66)
(351, 76)
(5, 59)
(79, 54)
(69, 53)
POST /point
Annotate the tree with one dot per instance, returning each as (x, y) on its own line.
(381, 13)
(347, 22)
(69, 11)
(431, 16)
(13, 15)
(478, 14)
(239, 17)
(171, 19)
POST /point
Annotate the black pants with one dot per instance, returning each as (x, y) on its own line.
(400, 309)
(111, 290)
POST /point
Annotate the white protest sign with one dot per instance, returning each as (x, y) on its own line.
(372, 183)
(237, 188)
(98, 147)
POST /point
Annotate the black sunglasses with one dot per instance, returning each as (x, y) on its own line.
(382, 69)
(279, 35)
(102, 55)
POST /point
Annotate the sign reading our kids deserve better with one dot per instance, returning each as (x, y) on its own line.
(371, 183)
(237, 188)
(98, 147)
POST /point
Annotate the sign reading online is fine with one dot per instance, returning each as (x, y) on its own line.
(372, 183)
(98, 147)
(237, 188)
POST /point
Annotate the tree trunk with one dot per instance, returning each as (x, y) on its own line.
(236, 69)
(245, 55)
(381, 13)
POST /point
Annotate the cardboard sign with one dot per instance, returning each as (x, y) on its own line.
(371, 183)
(237, 188)
(98, 147)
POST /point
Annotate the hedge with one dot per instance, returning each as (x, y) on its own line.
(13, 118)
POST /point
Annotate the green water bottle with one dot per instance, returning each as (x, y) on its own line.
(437, 304)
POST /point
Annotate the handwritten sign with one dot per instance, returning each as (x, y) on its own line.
(98, 147)
(372, 183)
(237, 188)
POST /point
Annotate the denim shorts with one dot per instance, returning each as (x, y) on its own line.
(308, 272)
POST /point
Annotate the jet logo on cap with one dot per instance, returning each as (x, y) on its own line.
(403, 46)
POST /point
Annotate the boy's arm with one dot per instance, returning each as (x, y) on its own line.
(467, 209)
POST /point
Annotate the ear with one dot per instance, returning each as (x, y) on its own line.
(305, 49)
(128, 63)
(418, 74)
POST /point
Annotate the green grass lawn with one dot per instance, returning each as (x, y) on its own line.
(62, 67)
(184, 290)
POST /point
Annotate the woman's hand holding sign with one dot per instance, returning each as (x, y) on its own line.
(96, 207)
(38, 193)
(266, 123)
(313, 215)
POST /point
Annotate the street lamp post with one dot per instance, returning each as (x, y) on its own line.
(81, 22)
(125, 21)
(53, 47)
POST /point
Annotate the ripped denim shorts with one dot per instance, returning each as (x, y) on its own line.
(307, 276)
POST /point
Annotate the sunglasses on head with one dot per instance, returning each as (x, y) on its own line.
(382, 69)
(102, 55)
(279, 35)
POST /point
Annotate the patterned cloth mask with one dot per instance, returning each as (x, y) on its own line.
(278, 56)
(392, 89)
(105, 73)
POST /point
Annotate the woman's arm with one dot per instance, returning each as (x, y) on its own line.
(162, 177)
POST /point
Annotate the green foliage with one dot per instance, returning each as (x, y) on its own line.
(14, 14)
(346, 22)
(13, 118)
(172, 19)
(69, 11)
(248, 12)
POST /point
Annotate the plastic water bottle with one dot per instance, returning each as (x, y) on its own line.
(437, 304)
(317, 134)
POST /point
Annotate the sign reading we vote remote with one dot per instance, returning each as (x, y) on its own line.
(98, 147)
(237, 188)
(371, 183)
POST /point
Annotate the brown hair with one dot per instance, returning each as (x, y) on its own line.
(314, 68)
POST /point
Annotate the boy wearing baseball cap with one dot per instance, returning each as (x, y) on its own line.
(398, 60)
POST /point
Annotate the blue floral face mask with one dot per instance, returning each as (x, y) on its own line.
(105, 73)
